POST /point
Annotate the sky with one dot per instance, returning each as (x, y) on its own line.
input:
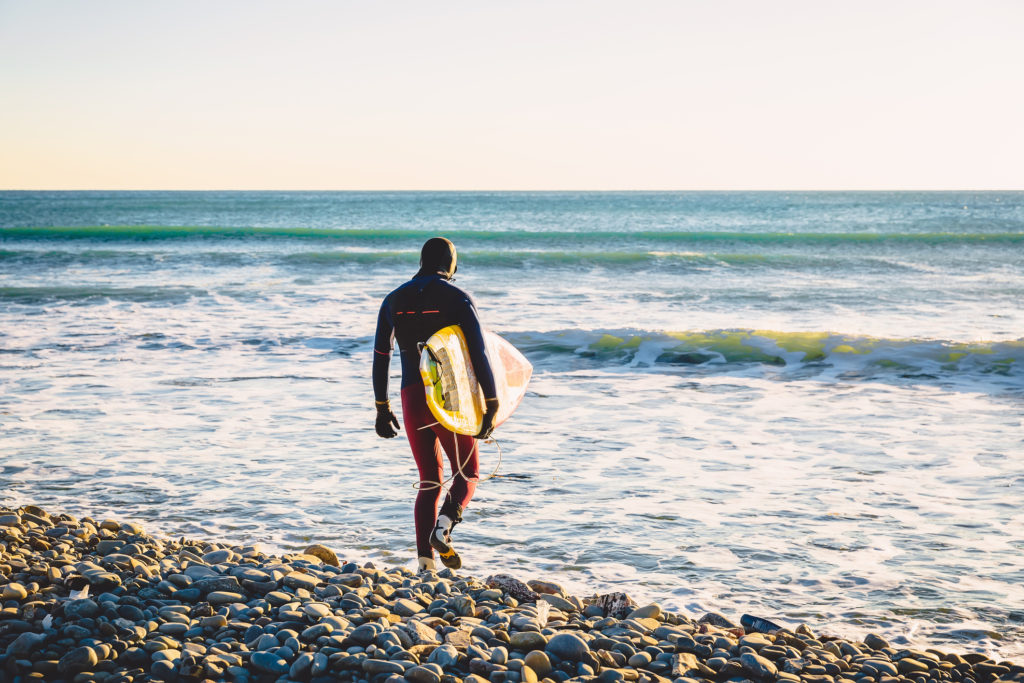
(512, 95)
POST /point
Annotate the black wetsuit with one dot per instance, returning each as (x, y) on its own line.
(411, 315)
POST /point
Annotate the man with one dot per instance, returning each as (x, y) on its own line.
(411, 314)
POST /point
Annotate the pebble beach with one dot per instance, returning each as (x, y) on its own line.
(102, 600)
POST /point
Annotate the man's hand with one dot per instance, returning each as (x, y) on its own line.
(490, 412)
(387, 423)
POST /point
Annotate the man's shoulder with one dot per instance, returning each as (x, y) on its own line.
(436, 288)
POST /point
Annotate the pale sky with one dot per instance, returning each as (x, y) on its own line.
(512, 95)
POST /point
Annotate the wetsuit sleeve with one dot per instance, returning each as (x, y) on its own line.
(382, 352)
(474, 334)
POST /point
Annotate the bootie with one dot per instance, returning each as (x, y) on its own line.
(426, 564)
(441, 541)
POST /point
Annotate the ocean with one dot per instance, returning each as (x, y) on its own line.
(805, 406)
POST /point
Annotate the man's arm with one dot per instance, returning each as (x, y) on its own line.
(474, 334)
(382, 347)
(387, 423)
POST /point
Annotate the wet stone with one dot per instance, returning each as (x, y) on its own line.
(755, 640)
(652, 611)
(875, 642)
(14, 591)
(422, 674)
(757, 667)
(879, 667)
(323, 553)
(407, 608)
(24, 644)
(268, 662)
(79, 659)
(444, 656)
(218, 556)
(528, 640)
(382, 666)
(81, 609)
(567, 646)
(908, 666)
(214, 622)
(211, 584)
(716, 619)
(300, 580)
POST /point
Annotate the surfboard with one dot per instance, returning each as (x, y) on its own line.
(453, 394)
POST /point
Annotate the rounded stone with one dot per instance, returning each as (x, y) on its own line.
(444, 656)
(421, 674)
(316, 631)
(382, 666)
(640, 660)
(526, 641)
(407, 608)
(301, 666)
(15, 591)
(317, 610)
(266, 641)
(323, 553)
(758, 667)
(223, 597)
(567, 646)
(651, 611)
(214, 622)
(268, 662)
(614, 676)
(218, 556)
(173, 629)
(25, 644)
(875, 642)
(163, 670)
(79, 659)
(539, 662)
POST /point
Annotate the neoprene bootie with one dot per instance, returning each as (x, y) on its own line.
(441, 541)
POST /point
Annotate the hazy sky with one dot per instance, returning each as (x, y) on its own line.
(512, 95)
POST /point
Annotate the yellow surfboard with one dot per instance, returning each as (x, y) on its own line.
(453, 395)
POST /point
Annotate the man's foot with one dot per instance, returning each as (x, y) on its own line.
(441, 541)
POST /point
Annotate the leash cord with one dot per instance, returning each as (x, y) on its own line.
(430, 485)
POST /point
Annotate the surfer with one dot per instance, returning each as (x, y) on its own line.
(410, 315)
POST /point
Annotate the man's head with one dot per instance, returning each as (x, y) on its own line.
(438, 256)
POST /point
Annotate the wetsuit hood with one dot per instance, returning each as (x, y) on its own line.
(438, 256)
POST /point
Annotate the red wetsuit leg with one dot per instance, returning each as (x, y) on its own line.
(460, 448)
(426, 447)
(427, 453)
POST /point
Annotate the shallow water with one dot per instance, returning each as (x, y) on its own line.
(806, 407)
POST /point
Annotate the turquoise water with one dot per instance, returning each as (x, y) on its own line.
(802, 405)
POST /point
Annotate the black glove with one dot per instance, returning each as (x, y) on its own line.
(387, 423)
(487, 425)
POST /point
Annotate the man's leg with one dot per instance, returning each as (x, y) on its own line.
(427, 453)
(462, 455)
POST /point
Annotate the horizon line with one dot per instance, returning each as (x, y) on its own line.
(482, 190)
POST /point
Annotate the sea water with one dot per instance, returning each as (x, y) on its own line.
(803, 406)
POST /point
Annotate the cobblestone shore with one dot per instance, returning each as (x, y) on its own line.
(87, 600)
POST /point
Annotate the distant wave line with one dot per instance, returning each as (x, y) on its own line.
(361, 235)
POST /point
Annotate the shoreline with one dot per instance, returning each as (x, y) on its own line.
(87, 600)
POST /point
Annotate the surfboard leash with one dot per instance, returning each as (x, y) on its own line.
(430, 485)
